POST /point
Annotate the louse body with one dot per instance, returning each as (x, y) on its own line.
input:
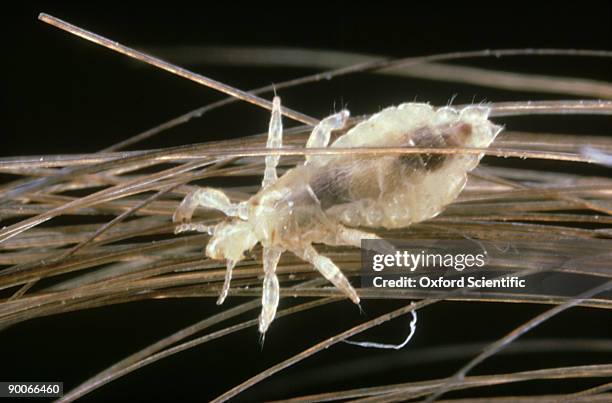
(328, 197)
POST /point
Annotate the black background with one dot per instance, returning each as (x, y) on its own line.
(60, 94)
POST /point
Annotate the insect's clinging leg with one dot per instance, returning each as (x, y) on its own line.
(226, 283)
(330, 271)
(209, 229)
(353, 237)
(271, 289)
(319, 138)
(208, 198)
(275, 140)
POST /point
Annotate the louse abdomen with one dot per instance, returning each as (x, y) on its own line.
(353, 178)
(395, 191)
(391, 191)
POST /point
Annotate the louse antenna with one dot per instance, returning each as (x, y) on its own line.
(172, 68)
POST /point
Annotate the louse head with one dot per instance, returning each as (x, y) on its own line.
(231, 240)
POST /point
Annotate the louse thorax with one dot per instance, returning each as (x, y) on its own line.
(267, 214)
(288, 212)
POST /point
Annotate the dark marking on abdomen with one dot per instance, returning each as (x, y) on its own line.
(452, 136)
(331, 187)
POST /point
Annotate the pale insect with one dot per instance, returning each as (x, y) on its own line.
(326, 198)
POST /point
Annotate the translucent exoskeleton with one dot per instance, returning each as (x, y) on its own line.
(326, 199)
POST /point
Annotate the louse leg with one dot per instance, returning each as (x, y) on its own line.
(210, 229)
(271, 289)
(329, 270)
(197, 227)
(275, 140)
(208, 198)
(353, 237)
(319, 138)
(226, 283)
